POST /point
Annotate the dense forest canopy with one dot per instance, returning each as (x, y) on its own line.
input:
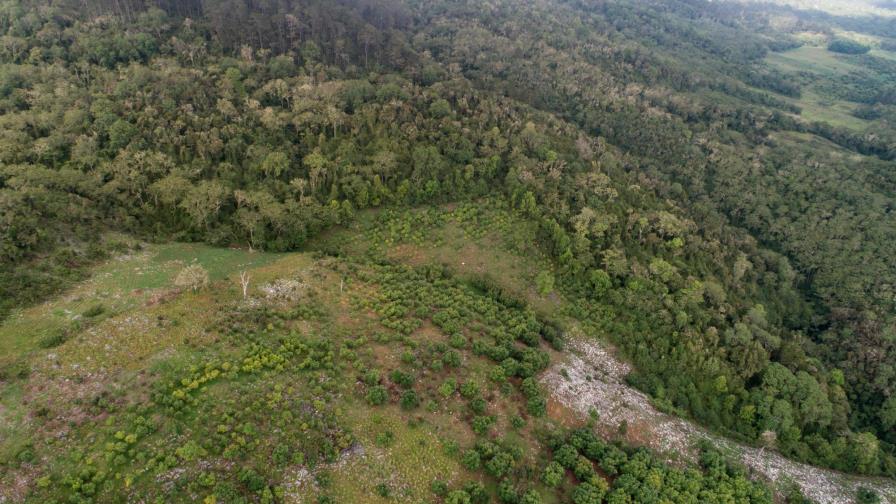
(739, 250)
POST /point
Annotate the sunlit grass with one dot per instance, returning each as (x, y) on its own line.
(116, 286)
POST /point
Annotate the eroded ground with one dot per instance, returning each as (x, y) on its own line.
(592, 379)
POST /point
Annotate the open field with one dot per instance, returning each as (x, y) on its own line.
(814, 65)
(816, 107)
(149, 332)
(122, 284)
(840, 7)
(814, 59)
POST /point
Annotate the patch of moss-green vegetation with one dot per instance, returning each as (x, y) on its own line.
(113, 287)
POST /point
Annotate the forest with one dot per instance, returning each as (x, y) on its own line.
(711, 186)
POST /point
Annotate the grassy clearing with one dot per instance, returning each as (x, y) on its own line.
(473, 241)
(809, 141)
(816, 107)
(163, 389)
(862, 38)
(890, 55)
(815, 64)
(119, 285)
(813, 59)
(812, 38)
(840, 7)
(13, 415)
(108, 334)
(401, 459)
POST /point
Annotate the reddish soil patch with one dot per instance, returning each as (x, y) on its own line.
(566, 416)
(160, 297)
(410, 254)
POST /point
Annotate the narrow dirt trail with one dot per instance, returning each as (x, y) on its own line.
(593, 379)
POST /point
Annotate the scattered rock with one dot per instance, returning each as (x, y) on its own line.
(284, 289)
(592, 378)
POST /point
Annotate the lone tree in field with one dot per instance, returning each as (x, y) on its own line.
(193, 277)
(244, 282)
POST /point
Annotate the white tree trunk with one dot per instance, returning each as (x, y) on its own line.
(244, 283)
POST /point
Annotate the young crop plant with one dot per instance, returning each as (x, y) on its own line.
(471, 459)
(377, 395)
(553, 474)
(409, 400)
(447, 388)
(482, 423)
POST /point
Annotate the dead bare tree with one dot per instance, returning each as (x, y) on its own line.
(244, 282)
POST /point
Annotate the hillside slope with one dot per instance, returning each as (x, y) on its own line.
(706, 186)
(335, 378)
(593, 379)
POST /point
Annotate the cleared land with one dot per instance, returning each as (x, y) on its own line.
(815, 64)
(138, 398)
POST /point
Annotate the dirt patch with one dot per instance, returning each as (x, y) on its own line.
(63, 401)
(410, 254)
(299, 477)
(384, 356)
(15, 487)
(592, 378)
(566, 416)
(159, 297)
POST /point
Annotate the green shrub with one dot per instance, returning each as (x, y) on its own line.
(469, 390)
(481, 424)
(251, 479)
(452, 358)
(385, 439)
(508, 493)
(500, 464)
(94, 311)
(583, 469)
(478, 405)
(553, 474)
(537, 406)
(54, 339)
(867, 496)
(405, 380)
(587, 493)
(190, 451)
(280, 455)
(409, 400)
(458, 497)
(476, 491)
(439, 487)
(447, 388)
(531, 497)
(371, 377)
(377, 395)
(847, 46)
(566, 456)
(471, 460)
(18, 369)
